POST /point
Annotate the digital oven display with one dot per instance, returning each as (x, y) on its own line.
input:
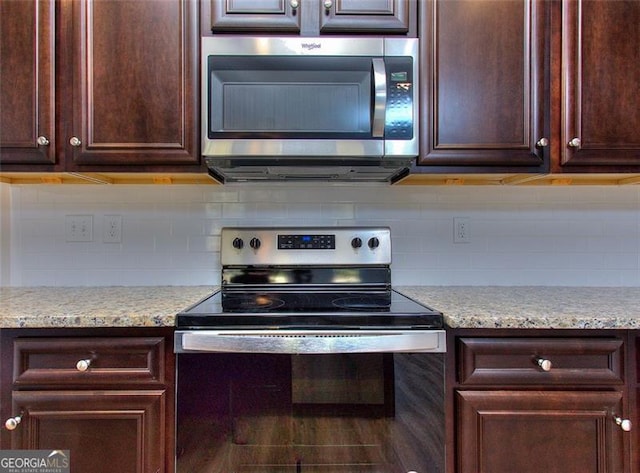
(306, 242)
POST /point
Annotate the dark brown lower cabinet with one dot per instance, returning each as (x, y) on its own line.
(540, 401)
(535, 432)
(105, 395)
(104, 431)
(518, 401)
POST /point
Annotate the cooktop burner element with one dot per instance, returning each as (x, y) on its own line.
(363, 302)
(401, 312)
(251, 302)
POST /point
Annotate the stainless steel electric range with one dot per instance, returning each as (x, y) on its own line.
(289, 289)
(307, 360)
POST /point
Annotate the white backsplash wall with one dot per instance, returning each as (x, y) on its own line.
(171, 234)
(5, 234)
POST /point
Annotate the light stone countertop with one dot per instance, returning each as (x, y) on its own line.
(463, 306)
(140, 306)
(532, 306)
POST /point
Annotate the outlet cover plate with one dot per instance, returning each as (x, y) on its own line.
(78, 228)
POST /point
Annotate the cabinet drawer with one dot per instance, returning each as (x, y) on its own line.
(59, 361)
(519, 361)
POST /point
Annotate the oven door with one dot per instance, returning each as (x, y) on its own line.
(336, 411)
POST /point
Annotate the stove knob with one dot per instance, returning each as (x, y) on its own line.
(356, 242)
(238, 243)
(374, 243)
(255, 243)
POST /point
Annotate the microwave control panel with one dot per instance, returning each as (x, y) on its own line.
(399, 116)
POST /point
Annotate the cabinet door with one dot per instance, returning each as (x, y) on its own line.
(312, 17)
(132, 98)
(483, 84)
(104, 431)
(601, 78)
(533, 432)
(256, 15)
(376, 16)
(27, 99)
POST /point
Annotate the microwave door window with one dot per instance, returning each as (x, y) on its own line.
(284, 97)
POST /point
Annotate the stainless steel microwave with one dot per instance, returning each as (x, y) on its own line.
(301, 108)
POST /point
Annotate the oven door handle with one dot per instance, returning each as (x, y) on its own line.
(300, 342)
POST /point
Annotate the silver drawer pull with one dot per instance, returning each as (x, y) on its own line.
(83, 365)
(575, 143)
(13, 422)
(625, 424)
(544, 364)
(542, 142)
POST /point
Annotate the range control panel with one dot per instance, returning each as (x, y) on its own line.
(306, 242)
(326, 246)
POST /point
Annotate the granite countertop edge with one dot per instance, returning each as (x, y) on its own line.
(533, 307)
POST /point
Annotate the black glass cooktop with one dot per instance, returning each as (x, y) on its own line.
(309, 310)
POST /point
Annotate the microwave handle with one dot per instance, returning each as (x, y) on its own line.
(380, 97)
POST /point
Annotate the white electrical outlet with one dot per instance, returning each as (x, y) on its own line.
(461, 230)
(112, 229)
(78, 228)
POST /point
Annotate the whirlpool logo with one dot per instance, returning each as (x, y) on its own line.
(34, 461)
(311, 46)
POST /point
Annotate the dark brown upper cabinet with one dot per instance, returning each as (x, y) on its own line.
(132, 88)
(375, 16)
(483, 86)
(100, 85)
(311, 17)
(599, 85)
(27, 95)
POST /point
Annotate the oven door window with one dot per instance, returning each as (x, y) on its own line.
(339, 413)
(290, 97)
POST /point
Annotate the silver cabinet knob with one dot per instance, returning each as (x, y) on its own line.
(574, 143)
(544, 364)
(42, 140)
(75, 141)
(294, 4)
(542, 143)
(83, 365)
(328, 4)
(13, 422)
(625, 424)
